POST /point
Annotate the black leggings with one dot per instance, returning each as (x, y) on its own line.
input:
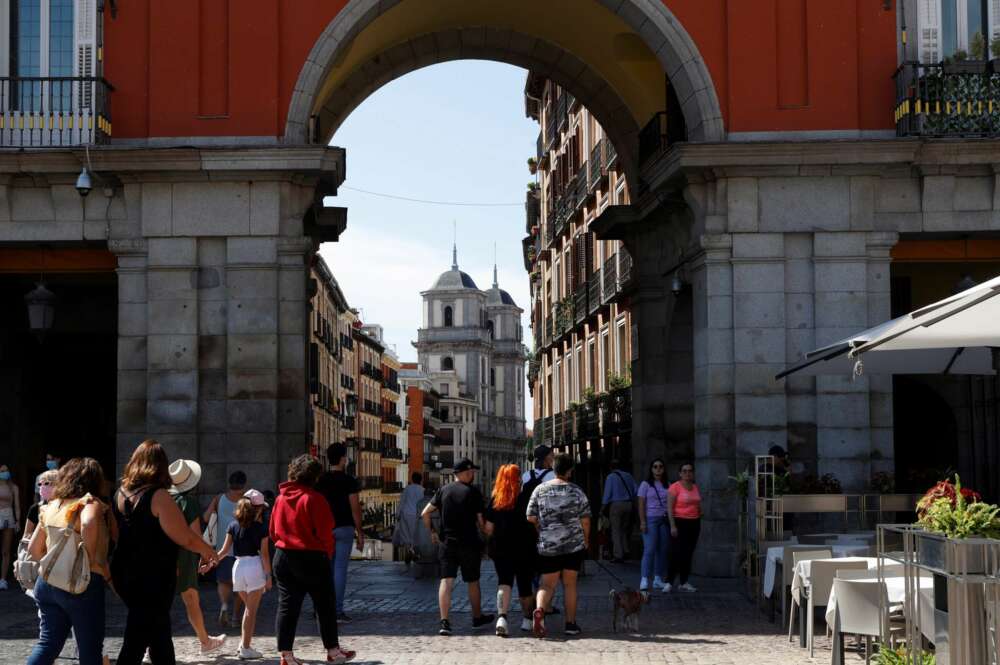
(682, 549)
(296, 573)
(147, 626)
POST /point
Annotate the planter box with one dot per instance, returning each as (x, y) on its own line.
(951, 555)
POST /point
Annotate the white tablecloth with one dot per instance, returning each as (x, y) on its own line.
(802, 576)
(895, 588)
(775, 555)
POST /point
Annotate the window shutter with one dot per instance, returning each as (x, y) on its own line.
(581, 258)
(86, 49)
(588, 254)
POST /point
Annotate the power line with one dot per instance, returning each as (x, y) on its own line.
(425, 201)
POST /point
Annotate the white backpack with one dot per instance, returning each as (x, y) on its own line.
(66, 564)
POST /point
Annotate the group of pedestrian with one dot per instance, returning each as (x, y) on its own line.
(152, 528)
(536, 529)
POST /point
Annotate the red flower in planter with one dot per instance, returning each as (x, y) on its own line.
(945, 490)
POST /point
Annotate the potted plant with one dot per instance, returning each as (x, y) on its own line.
(532, 165)
(960, 63)
(902, 656)
(532, 187)
(883, 482)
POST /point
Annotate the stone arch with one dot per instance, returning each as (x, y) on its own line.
(652, 22)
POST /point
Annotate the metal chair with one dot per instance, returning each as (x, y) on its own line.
(798, 556)
(788, 569)
(863, 609)
(821, 577)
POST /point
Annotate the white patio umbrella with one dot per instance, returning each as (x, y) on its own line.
(957, 335)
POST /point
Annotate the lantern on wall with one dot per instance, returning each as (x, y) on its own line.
(41, 310)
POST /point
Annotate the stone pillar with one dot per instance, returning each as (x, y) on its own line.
(294, 408)
(662, 387)
(132, 318)
(800, 338)
(880, 387)
(711, 274)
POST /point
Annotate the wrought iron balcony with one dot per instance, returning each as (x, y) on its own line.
(610, 271)
(393, 419)
(580, 303)
(562, 106)
(624, 267)
(392, 487)
(598, 165)
(953, 99)
(593, 292)
(54, 111)
(371, 482)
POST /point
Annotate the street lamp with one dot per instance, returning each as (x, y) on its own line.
(41, 309)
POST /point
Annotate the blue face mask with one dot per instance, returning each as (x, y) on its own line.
(51, 464)
(4, 475)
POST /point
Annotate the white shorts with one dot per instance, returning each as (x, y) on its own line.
(6, 518)
(248, 574)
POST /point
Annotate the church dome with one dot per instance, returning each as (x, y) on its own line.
(497, 296)
(454, 279)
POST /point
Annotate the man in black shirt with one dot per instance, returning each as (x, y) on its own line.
(341, 492)
(461, 506)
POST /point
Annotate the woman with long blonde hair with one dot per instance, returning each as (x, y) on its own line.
(511, 546)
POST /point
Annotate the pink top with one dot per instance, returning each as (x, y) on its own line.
(687, 502)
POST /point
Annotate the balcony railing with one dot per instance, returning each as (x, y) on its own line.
(653, 137)
(624, 267)
(610, 278)
(454, 334)
(593, 292)
(598, 165)
(562, 105)
(392, 487)
(54, 111)
(580, 303)
(371, 482)
(558, 434)
(393, 419)
(955, 99)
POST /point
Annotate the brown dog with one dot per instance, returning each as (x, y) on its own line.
(630, 602)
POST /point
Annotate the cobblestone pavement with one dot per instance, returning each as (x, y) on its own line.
(396, 624)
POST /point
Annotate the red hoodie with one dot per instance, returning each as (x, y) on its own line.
(301, 519)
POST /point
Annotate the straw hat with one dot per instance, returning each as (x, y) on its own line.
(185, 475)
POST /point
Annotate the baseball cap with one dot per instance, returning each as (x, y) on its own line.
(465, 465)
(541, 452)
(256, 498)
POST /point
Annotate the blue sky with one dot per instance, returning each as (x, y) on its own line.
(451, 132)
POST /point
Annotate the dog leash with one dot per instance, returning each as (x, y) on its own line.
(608, 571)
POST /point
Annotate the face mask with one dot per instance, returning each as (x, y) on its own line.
(51, 464)
(4, 475)
(45, 491)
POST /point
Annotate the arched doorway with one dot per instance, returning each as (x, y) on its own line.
(617, 59)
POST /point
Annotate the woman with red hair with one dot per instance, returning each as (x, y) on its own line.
(511, 545)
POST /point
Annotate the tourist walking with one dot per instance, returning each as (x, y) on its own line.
(65, 601)
(459, 545)
(653, 497)
(10, 520)
(185, 476)
(341, 492)
(560, 512)
(222, 507)
(511, 545)
(684, 512)
(542, 471)
(302, 530)
(247, 539)
(144, 568)
(619, 502)
(408, 518)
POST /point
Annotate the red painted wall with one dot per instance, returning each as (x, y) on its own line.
(185, 69)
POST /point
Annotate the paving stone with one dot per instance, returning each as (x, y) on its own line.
(395, 623)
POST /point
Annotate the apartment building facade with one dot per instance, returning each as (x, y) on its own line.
(579, 372)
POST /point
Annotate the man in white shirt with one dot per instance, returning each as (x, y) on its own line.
(543, 466)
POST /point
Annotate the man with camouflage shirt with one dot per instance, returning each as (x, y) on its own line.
(561, 513)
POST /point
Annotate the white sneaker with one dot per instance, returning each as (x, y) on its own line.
(686, 587)
(248, 653)
(502, 626)
(526, 625)
(3, 585)
(644, 584)
(666, 587)
(214, 644)
(657, 582)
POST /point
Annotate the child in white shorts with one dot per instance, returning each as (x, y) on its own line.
(247, 538)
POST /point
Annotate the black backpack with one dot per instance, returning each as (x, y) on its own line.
(529, 487)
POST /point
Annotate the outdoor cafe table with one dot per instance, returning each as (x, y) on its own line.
(802, 580)
(775, 555)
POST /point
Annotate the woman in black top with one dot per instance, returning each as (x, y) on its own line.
(144, 566)
(511, 546)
